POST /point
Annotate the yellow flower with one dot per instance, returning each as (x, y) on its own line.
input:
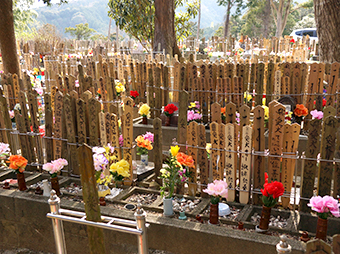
(119, 123)
(247, 96)
(122, 168)
(106, 180)
(165, 173)
(208, 147)
(174, 150)
(263, 101)
(120, 88)
(144, 110)
(192, 105)
(124, 164)
(266, 112)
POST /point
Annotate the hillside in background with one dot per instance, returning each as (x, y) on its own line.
(95, 12)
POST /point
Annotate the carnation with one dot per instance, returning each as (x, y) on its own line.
(325, 205)
(218, 189)
(149, 136)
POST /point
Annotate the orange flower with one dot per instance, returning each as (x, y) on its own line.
(300, 110)
(144, 143)
(223, 110)
(17, 162)
(185, 160)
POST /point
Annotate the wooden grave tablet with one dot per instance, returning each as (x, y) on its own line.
(71, 135)
(94, 109)
(259, 146)
(128, 135)
(276, 140)
(57, 130)
(312, 86)
(333, 84)
(192, 137)
(245, 165)
(290, 146)
(222, 140)
(202, 159)
(216, 113)
(115, 137)
(327, 150)
(182, 120)
(215, 153)
(310, 164)
(259, 84)
(230, 112)
(230, 161)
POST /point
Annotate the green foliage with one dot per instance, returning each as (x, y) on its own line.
(141, 26)
(183, 25)
(134, 17)
(219, 32)
(97, 37)
(81, 31)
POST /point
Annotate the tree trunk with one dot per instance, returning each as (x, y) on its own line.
(7, 38)
(199, 20)
(267, 19)
(327, 23)
(164, 33)
(227, 19)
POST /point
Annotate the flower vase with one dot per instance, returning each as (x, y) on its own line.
(167, 207)
(321, 229)
(213, 218)
(167, 121)
(144, 120)
(103, 190)
(21, 182)
(144, 160)
(55, 185)
(265, 216)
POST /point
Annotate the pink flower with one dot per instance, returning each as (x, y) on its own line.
(58, 165)
(217, 188)
(197, 116)
(197, 104)
(324, 205)
(190, 115)
(112, 149)
(149, 136)
(4, 148)
(121, 140)
(316, 114)
(39, 90)
(11, 114)
(332, 204)
(49, 167)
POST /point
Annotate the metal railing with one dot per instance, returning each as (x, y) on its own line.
(58, 215)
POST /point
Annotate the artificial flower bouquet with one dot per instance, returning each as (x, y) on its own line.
(300, 112)
(271, 192)
(55, 166)
(144, 110)
(120, 170)
(119, 87)
(144, 143)
(18, 163)
(176, 171)
(217, 190)
(4, 151)
(170, 109)
(324, 206)
(193, 113)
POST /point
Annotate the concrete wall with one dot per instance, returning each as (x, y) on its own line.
(23, 224)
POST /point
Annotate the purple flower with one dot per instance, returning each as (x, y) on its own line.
(190, 115)
(197, 116)
(121, 140)
(149, 136)
(316, 114)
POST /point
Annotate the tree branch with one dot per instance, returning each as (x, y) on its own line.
(286, 15)
(274, 9)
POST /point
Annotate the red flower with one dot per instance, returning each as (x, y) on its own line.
(170, 109)
(134, 94)
(292, 41)
(324, 102)
(275, 189)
